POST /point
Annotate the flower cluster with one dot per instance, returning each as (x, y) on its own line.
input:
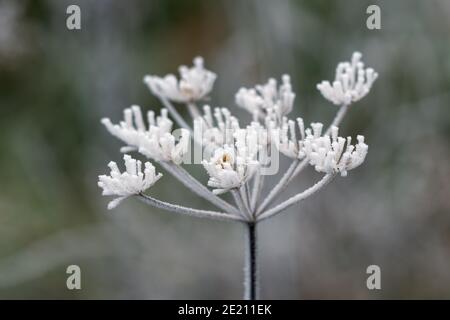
(352, 82)
(236, 156)
(215, 130)
(286, 140)
(333, 154)
(157, 142)
(231, 166)
(268, 99)
(128, 183)
(233, 153)
(194, 84)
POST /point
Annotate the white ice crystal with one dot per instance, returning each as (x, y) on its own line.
(267, 99)
(157, 142)
(215, 130)
(332, 154)
(232, 166)
(352, 82)
(222, 128)
(132, 181)
(286, 139)
(194, 83)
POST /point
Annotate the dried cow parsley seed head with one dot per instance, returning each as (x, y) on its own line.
(194, 84)
(128, 183)
(332, 154)
(157, 142)
(352, 82)
(215, 130)
(232, 166)
(286, 139)
(268, 99)
(236, 156)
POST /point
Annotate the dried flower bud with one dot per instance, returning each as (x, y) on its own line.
(352, 82)
(128, 183)
(331, 153)
(194, 84)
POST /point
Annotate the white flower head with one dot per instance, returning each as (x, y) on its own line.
(286, 139)
(352, 82)
(332, 154)
(195, 83)
(132, 181)
(215, 130)
(268, 99)
(259, 133)
(232, 166)
(157, 142)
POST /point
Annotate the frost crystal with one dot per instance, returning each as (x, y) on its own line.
(286, 140)
(332, 154)
(215, 130)
(194, 84)
(352, 82)
(128, 183)
(267, 100)
(232, 166)
(157, 142)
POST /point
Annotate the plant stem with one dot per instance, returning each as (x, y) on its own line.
(338, 118)
(240, 203)
(298, 197)
(174, 113)
(281, 185)
(188, 211)
(256, 192)
(189, 181)
(251, 263)
(193, 110)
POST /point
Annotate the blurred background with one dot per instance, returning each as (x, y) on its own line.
(56, 84)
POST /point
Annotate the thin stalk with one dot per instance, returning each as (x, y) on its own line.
(214, 199)
(298, 197)
(190, 182)
(193, 110)
(174, 113)
(188, 211)
(280, 186)
(256, 192)
(251, 281)
(297, 170)
(338, 118)
(240, 203)
(244, 197)
(248, 197)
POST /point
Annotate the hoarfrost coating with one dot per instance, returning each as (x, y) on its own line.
(267, 99)
(332, 154)
(157, 142)
(352, 82)
(194, 84)
(130, 182)
(236, 154)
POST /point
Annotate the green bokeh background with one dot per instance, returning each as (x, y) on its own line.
(56, 84)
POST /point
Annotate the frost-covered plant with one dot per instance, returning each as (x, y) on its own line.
(235, 156)
(128, 183)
